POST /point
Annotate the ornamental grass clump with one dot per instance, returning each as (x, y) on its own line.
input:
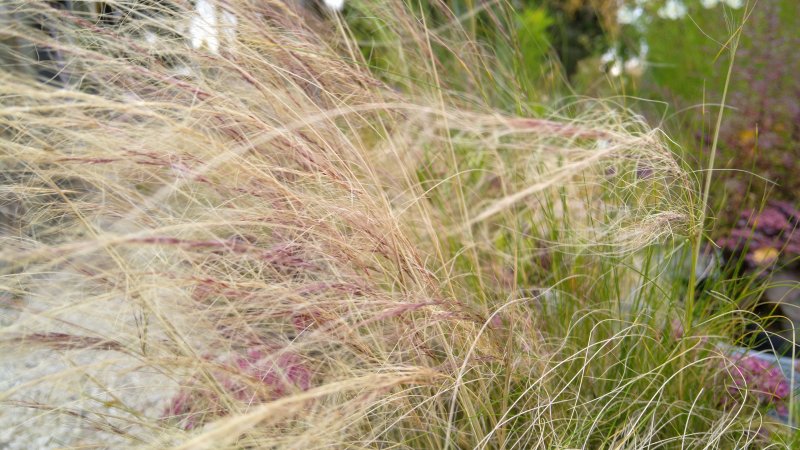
(265, 245)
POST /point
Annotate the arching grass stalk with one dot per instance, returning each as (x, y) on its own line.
(699, 226)
(733, 44)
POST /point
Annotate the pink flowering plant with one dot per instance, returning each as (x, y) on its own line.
(254, 376)
(752, 375)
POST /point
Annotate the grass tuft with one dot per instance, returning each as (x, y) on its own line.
(267, 244)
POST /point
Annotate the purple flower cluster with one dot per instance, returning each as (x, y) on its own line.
(281, 373)
(255, 376)
(761, 378)
(761, 236)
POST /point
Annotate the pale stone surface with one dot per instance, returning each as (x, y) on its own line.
(81, 394)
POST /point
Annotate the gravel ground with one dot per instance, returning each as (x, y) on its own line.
(87, 397)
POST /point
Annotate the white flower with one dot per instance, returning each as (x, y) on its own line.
(608, 56)
(735, 4)
(626, 14)
(203, 26)
(634, 67)
(672, 9)
(335, 5)
(616, 69)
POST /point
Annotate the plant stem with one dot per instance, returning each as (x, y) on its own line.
(700, 225)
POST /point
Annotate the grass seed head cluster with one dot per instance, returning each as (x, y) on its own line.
(276, 247)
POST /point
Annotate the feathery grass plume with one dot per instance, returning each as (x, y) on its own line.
(262, 244)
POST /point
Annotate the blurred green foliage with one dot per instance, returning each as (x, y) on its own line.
(534, 39)
(759, 136)
(536, 45)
